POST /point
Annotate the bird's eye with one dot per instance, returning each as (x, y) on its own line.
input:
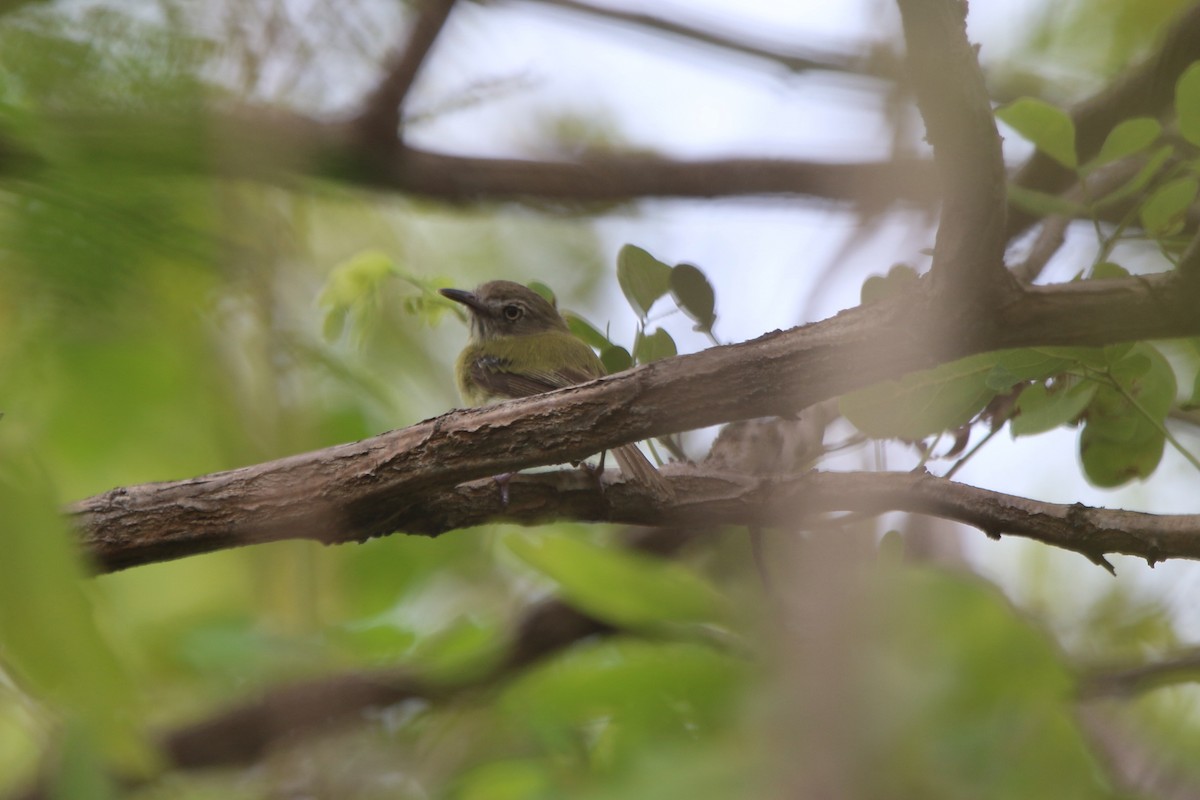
(513, 312)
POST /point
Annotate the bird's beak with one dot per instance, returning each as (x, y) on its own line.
(468, 299)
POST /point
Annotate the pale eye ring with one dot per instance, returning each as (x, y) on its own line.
(513, 312)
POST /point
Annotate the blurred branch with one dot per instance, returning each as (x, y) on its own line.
(1138, 765)
(792, 60)
(245, 733)
(1053, 233)
(1126, 681)
(378, 123)
(968, 260)
(1146, 89)
(282, 147)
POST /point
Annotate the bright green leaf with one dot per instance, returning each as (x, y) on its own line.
(463, 651)
(1129, 137)
(1048, 128)
(651, 690)
(1109, 463)
(1163, 212)
(619, 586)
(1041, 409)
(652, 347)
(1122, 439)
(1137, 183)
(511, 779)
(643, 278)
(586, 331)
(1187, 103)
(694, 294)
(545, 291)
(945, 397)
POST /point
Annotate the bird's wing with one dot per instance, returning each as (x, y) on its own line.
(494, 375)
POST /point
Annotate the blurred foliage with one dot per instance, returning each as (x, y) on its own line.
(159, 321)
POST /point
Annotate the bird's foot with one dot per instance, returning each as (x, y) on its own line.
(502, 483)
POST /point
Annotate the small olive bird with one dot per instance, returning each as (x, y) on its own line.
(520, 345)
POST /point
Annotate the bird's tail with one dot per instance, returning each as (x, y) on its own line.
(637, 468)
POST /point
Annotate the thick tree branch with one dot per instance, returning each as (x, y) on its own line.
(371, 488)
(968, 260)
(141, 524)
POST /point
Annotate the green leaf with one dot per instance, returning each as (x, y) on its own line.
(619, 586)
(350, 291)
(1043, 204)
(651, 690)
(1040, 409)
(694, 294)
(616, 359)
(586, 331)
(1187, 103)
(945, 397)
(511, 779)
(545, 291)
(1138, 182)
(654, 346)
(1108, 270)
(1123, 440)
(1129, 137)
(643, 278)
(48, 633)
(1194, 400)
(1109, 463)
(465, 650)
(1163, 212)
(1049, 128)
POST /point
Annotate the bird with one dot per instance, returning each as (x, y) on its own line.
(520, 346)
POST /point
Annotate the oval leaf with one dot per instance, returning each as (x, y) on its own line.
(1187, 103)
(643, 278)
(1040, 409)
(586, 331)
(1131, 136)
(1048, 128)
(654, 346)
(694, 294)
(619, 586)
(1163, 212)
(945, 397)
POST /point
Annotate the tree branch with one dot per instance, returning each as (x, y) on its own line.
(378, 123)
(794, 60)
(968, 260)
(142, 524)
(282, 147)
(1126, 681)
(374, 487)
